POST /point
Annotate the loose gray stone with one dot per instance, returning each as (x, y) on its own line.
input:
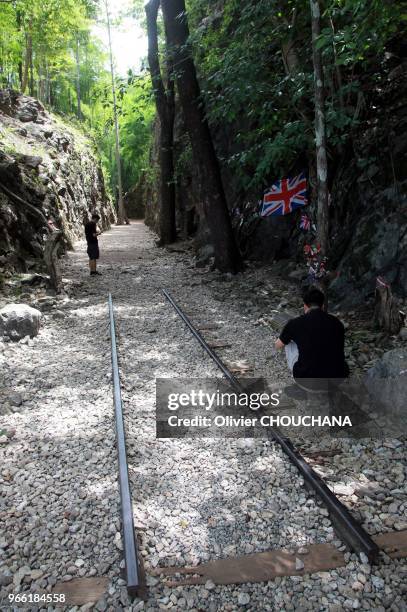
(299, 565)
(18, 321)
(5, 580)
(15, 399)
(194, 502)
(243, 599)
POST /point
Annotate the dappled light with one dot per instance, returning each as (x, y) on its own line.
(203, 298)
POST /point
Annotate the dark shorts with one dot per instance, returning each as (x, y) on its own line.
(93, 251)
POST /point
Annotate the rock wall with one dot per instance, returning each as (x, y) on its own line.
(48, 172)
(368, 196)
(134, 201)
(190, 220)
(369, 193)
(149, 183)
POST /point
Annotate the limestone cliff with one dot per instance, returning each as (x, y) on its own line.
(48, 172)
(368, 189)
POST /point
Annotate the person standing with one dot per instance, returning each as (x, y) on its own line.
(92, 233)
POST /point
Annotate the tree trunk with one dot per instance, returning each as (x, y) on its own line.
(227, 257)
(51, 93)
(28, 57)
(78, 80)
(39, 85)
(320, 132)
(164, 101)
(42, 82)
(338, 72)
(31, 84)
(387, 314)
(20, 62)
(47, 85)
(290, 57)
(121, 211)
(51, 248)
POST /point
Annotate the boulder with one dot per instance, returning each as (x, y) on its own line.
(386, 381)
(18, 321)
(403, 333)
(204, 255)
(392, 365)
(32, 161)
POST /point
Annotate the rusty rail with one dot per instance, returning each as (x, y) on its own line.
(346, 526)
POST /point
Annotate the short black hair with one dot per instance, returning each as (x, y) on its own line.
(95, 216)
(313, 297)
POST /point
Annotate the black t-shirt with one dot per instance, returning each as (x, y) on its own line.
(90, 229)
(320, 338)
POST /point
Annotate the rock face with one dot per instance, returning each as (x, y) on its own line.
(18, 321)
(149, 187)
(189, 213)
(368, 195)
(134, 201)
(48, 172)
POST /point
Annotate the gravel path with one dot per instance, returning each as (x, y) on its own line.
(194, 500)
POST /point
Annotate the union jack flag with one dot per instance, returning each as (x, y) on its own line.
(305, 222)
(285, 196)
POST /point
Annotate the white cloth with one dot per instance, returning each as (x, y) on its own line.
(292, 354)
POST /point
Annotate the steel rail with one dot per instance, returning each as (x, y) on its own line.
(228, 374)
(347, 527)
(129, 538)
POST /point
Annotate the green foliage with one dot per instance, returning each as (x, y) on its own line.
(47, 47)
(363, 29)
(136, 119)
(256, 70)
(38, 39)
(254, 60)
(136, 114)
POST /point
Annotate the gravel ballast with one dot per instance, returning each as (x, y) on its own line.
(194, 500)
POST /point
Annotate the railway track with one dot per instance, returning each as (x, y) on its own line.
(132, 568)
(348, 529)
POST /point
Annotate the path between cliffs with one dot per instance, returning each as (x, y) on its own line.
(193, 500)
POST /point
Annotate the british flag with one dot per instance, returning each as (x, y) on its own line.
(305, 223)
(285, 196)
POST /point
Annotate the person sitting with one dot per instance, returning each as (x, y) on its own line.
(314, 343)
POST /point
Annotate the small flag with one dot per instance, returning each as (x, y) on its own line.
(380, 282)
(305, 223)
(284, 196)
(312, 250)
